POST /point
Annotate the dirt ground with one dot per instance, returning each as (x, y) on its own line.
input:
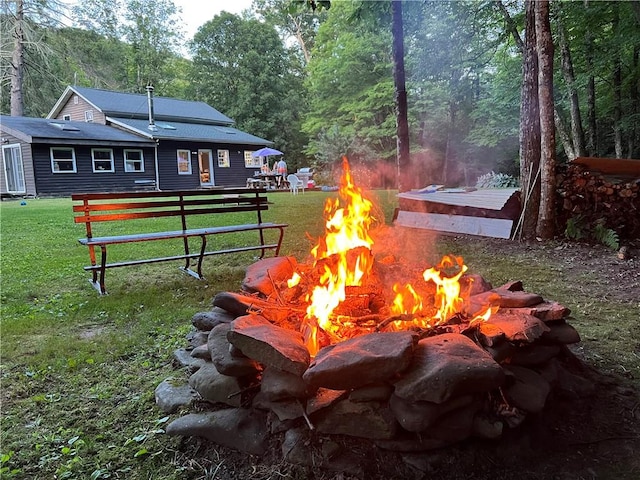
(595, 437)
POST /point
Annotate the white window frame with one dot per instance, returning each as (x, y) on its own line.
(94, 160)
(184, 160)
(128, 161)
(54, 160)
(18, 167)
(66, 117)
(88, 116)
(223, 159)
(250, 161)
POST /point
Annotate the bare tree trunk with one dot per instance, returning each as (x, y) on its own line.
(634, 134)
(592, 127)
(402, 122)
(617, 90)
(300, 39)
(565, 136)
(17, 63)
(529, 128)
(544, 42)
(570, 79)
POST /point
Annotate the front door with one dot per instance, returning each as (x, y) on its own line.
(13, 169)
(205, 163)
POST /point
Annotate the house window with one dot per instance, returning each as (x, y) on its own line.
(63, 160)
(75, 99)
(223, 158)
(251, 162)
(133, 161)
(66, 117)
(102, 160)
(184, 162)
(88, 116)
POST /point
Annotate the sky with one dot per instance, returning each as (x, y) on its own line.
(196, 13)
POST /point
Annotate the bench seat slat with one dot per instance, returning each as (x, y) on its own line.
(196, 232)
(268, 246)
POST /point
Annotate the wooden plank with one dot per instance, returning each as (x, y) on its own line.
(491, 198)
(484, 227)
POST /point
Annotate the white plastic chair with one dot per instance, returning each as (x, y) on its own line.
(294, 184)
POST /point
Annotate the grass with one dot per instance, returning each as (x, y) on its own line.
(79, 371)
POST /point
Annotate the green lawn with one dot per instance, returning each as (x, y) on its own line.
(78, 370)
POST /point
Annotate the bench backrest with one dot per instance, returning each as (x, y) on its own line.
(116, 206)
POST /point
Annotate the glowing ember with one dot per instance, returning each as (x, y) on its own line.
(343, 259)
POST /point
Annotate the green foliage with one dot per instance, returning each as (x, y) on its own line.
(496, 180)
(241, 67)
(606, 236)
(578, 228)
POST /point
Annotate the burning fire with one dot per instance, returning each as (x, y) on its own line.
(343, 257)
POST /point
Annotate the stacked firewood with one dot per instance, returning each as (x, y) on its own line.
(589, 197)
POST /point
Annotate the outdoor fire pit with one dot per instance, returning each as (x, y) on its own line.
(364, 346)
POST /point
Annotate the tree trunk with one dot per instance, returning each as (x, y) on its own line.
(592, 128)
(544, 42)
(577, 133)
(17, 63)
(634, 134)
(565, 136)
(617, 89)
(529, 128)
(402, 122)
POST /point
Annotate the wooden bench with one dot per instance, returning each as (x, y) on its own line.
(92, 208)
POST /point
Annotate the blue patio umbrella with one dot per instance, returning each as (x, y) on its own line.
(266, 152)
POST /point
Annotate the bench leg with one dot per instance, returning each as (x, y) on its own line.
(198, 273)
(99, 285)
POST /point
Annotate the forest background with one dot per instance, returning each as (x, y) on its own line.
(319, 82)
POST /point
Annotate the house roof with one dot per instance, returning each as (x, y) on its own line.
(168, 130)
(135, 105)
(44, 130)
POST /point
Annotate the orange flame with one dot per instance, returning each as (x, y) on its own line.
(347, 227)
(344, 263)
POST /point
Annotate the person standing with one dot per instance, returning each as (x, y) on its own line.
(282, 171)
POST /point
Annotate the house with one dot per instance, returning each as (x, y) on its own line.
(181, 145)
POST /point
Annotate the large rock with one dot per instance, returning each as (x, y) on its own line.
(243, 430)
(269, 344)
(277, 384)
(268, 274)
(371, 420)
(371, 358)
(418, 416)
(517, 327)
(205, 321)
(171, 395)
(446, 366)
(221, 357)
(215, 387)
(528, 389)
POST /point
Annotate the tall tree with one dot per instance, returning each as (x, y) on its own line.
(400, 96)
(152, 29)
(544, 46)
(241, 67)
(529, 127)
(22, 26)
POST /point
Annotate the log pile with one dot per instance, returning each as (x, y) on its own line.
(590, 197)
